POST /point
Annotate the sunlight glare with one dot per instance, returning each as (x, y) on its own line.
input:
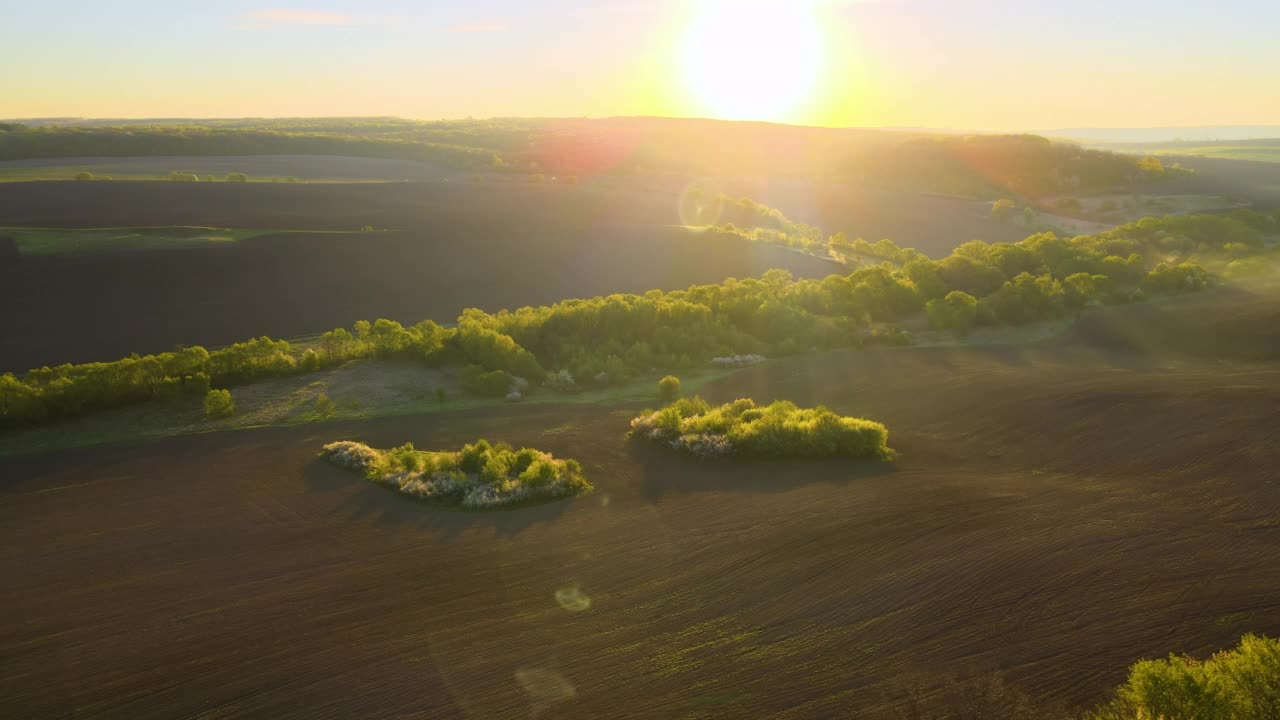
(753, 60)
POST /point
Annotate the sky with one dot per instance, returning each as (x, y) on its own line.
(958, 64)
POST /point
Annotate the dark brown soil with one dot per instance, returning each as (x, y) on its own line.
(493, 246)
(1056, 512)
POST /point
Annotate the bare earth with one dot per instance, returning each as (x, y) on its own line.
(1058, 511)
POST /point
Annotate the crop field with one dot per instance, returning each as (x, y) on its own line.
(1257, 183)
(258, 168)
(1262, 150)
(932, 224)
(494, 244)
(1057, 510)
(45, 241)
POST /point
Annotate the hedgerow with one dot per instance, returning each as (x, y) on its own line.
(741, 428)
(480, 475)
(610, 339)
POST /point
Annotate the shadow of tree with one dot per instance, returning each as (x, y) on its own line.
(663, 471)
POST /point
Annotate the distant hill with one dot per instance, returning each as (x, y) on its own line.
(1165, 134)
(972, 165)
(1258, 150)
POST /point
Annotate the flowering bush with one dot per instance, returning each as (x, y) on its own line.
(353, 455)
(778, 430)
(480, 475)
(737, 360)
(561, 381)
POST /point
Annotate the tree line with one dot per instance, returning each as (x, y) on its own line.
(614, 338)
(150, 140)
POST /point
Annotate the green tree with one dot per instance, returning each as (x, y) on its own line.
(219, 404)
(957, 312)
(1238, 684)
(1003, 209)
(669, 388)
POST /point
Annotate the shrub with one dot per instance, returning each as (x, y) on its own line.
(1186, 277)
(778, 430)
(1247, 267)
(480, 475)
(669, 388)
(325, 407)
(237, 177)
(183, 176)
(561, 381)
(310, 360)
(84, 176)
(219, 404)
(491, 383)
(1003, 209)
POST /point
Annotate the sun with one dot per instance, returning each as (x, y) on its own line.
(753, 59)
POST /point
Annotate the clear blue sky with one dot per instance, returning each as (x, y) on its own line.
(991, 64)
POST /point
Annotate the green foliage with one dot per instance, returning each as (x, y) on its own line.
(762, 223)
(219, 404)
(957, 312)
(622, 336)
(237, 177)
(491, 383)
(1249, 267)
(47, 394)
(82, 176)
(325, 407)
(1238, 684)
(496, 351)
(183, 176)
(1080, 289)
(480, 475)
(1026, 298)
(1003, 209)
(779, 430)
(1173, 279)
(669, 388)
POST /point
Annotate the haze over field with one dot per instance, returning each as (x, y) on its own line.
(671, 359)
